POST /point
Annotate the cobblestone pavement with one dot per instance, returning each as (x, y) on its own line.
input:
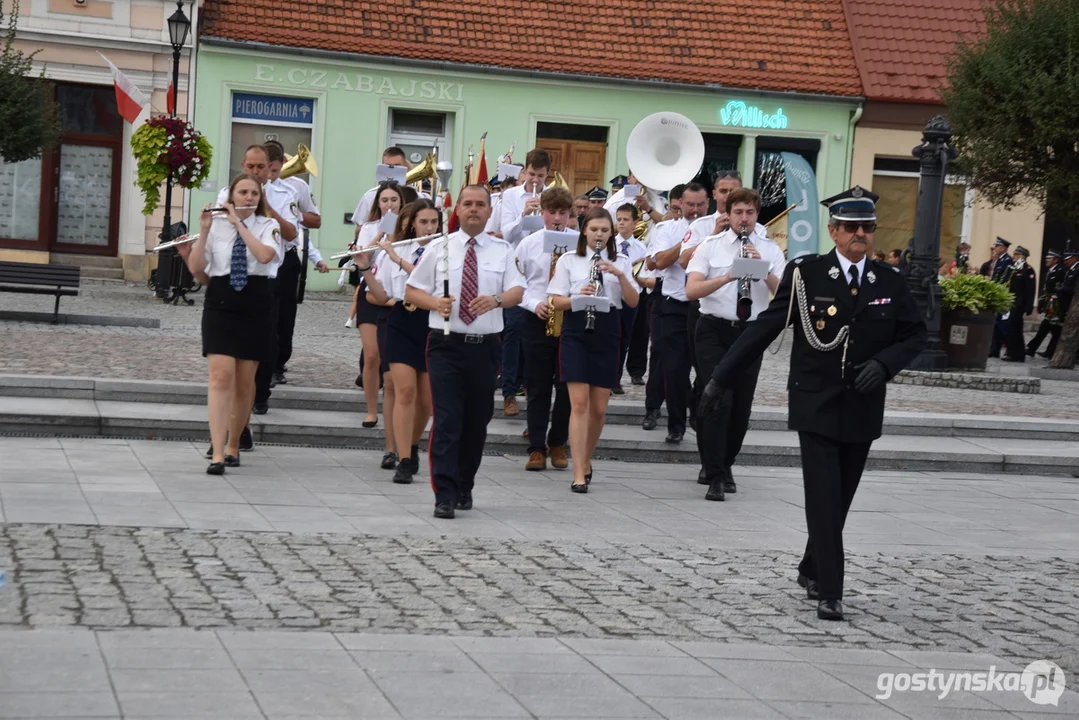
(327, 354)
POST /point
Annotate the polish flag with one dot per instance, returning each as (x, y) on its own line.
(171, 101)
(129, 99)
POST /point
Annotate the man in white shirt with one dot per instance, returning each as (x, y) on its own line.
(671, 337)
(463, 363)
(292, 270)
(725, 313)
(542, 366)
(524, 199)
(625, 222)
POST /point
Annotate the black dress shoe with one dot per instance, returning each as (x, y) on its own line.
(403, 474)
(279, 378)
(702, 478)
(674, 438)
(261, 408)
(389, 461)
(210, 452)
(637, 380)
(830, 610)
(216, 469)
(811, 587)
(715, 492)
(578, 487)
(444, 510)
(247, 440)
(1009, 358)
(588, 477)
(232, 461)
(728, 486)
(650, 419)
(273, 381)
(617, 389)
(464, 503)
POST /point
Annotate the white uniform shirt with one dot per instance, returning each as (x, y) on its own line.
(572, 271)
(704, 227)
(497, 271)
(714, 258)
(494, 225)
(363, 207)
(619, 199)
(666, 235)
(536, 266)
(511, 207)
(392, 276)
(305, 202)
(222, 236)
(282, 200)
(632, 248)
(844, 266)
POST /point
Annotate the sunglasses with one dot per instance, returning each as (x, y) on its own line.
(852, 226)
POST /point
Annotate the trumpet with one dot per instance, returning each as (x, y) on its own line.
(744, 307)
(595, 278)
(373, 248)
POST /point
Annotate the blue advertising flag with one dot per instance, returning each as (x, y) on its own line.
(803, 222)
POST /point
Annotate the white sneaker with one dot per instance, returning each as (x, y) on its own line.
(351, 322)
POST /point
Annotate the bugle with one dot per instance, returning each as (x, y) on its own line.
(372, 248)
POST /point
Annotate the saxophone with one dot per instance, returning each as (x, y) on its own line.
(595, 278)
(745, 301)
(554, 317)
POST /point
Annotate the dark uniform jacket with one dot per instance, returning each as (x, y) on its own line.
(1067, 289)
(884, 322)
(996, 274)
(1023, 283)
(1053, 279)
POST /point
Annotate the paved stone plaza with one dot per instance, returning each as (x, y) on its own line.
(305, 584)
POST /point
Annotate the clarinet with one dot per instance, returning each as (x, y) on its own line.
(745, 302)
(595, 278)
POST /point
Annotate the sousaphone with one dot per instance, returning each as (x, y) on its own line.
(664, 150)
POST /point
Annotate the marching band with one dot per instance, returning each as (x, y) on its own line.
(580, 284)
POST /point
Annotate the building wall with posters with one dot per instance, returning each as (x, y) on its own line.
(78, 203)
(347, 110)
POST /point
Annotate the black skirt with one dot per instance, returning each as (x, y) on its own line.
(238, 324)
(382, 321)
(590, 357)
(366, 312)
(406, 337)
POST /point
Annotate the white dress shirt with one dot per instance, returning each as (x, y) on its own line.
(222, 237)
(305, 201)
(536, 266)
(619, 199)
(572, 271)
(704, 227)
(392, 276)
(494, 225)
(666, 235)
(714, 258)
(281, 198)
(632, 248)
(363, 207)
(844, 265)
(511, 207)
(497, 272)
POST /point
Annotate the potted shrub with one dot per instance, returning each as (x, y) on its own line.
(970, 304)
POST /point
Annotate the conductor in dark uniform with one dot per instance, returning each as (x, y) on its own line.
(855, 326)
(996, 269)
(1023, 284)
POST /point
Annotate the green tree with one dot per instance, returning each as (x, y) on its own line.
(1013, 102)
(29, 123)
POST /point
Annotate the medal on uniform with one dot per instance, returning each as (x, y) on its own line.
(832, 310)
(871, 276)
(820, 324)
(833, 272)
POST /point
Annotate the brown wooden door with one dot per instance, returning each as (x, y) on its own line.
(581, 163)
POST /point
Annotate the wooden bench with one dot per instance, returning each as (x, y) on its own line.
(17, 277)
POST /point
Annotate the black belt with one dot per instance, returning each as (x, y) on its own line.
(469, 338)
(668, 298)
(712, 319)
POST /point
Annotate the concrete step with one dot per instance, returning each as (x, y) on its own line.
(92, 272)
(620, 412)
(68, 417)
(86, 261)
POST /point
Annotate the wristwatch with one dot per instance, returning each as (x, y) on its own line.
(498, 300)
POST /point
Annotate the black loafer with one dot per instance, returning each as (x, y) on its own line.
(729, 487)
(637, 380)
(715, 492)
(261, 408)
(247, 440)
(702, 478)
(649, 422)
(674, 438)
(279, 378)
(369, 423)
(830, 610)
(617, 390)
(588, 478)
(578, 488)
(215, 469)
(811, 587)
(464, 503)
(403, 474)
(232, 461)
(389, 461)
(444, 510)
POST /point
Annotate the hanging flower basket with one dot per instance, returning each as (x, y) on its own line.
(167, 146)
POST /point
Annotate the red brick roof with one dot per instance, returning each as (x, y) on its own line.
(782, 45)
(902, 46)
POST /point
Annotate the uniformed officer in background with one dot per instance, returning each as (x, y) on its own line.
(855, 326)
(1023, 284)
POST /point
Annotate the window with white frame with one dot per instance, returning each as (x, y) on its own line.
(258, 118)
(896, 181)
(418, 131)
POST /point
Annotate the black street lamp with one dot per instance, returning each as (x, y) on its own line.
(179, 29)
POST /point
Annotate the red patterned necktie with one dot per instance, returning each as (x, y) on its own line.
(470, 283)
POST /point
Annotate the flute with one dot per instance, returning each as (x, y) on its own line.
(223, 209)
(174, 243)
(371, 248)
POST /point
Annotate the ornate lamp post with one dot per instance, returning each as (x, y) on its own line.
(179, 29)
(924, 253)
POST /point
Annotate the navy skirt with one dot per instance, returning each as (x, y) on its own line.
(366, 313)
(238, 324)
(406, 337)
(382, 323)
(590, 357)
